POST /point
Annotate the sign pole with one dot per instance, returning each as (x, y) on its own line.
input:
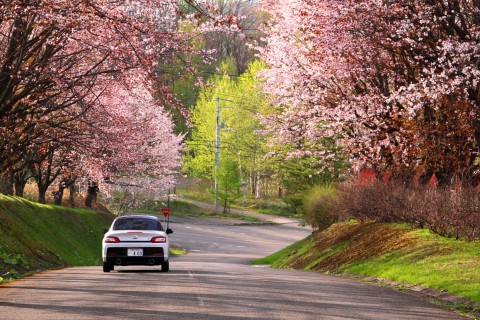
(166, 215)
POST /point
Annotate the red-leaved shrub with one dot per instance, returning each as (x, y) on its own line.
(451, 212)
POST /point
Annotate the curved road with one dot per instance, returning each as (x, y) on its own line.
(213, 281)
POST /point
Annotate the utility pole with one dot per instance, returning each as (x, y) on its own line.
(217, 151)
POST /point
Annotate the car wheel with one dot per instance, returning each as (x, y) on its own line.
(165, 266)
(107, 267)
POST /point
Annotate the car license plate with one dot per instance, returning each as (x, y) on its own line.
(135, 252)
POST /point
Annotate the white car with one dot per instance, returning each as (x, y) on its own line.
(136, 240)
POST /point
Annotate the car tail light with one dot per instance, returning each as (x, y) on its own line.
(111, 240)
(158, 240)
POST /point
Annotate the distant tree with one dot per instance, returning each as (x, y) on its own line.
(228, 183)
(241, 135)
(235, 44)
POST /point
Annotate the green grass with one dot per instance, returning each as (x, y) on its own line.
(267, 206)
(36, 237)
(176, 206)
(197, 189)
(275, 259)
(184, 208)
(392, 252)
(176, 250)
(434, 261)
(202, 190)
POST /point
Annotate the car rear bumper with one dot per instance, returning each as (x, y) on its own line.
(151, 256)
(141, 261)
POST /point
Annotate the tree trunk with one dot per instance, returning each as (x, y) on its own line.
(253, 185)
(42, 191)
(91, 194)
(72, 194)
(20, 182)
(225, 206)
(257, 191)
(88, 200)
(58, 195)
(6, 183)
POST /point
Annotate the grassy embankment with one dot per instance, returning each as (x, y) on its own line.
(36, 237)
(393, 252)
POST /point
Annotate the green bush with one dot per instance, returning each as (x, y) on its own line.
(319, 206)
(294, 202)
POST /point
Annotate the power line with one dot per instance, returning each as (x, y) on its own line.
(223, 99)
(196, 6)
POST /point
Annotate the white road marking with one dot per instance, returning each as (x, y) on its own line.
(200, 300)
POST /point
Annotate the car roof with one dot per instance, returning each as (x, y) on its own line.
(137, 216)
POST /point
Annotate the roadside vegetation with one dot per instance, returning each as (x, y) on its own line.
(184, 208)
(176, 250)
(393, 252)
(449, 210)
(36, 237)
(197, 189)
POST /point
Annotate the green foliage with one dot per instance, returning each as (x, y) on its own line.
(228, 183)
(294, 202)
(199, 160)
(319, 206)
(240, 100)
(13, 259)
(184, 87)
(195, 189)
(300, 175)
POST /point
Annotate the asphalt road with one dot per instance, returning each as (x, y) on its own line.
(213, 281)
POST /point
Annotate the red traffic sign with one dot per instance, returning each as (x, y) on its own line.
(165, 211)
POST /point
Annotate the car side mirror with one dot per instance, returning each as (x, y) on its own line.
(169, 231)
(104, 230)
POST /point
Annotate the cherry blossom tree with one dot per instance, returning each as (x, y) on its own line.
(134, 144)
(394, 82)
(57, 63)
(126, 140)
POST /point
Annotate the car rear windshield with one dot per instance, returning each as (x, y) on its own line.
(137, 224)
